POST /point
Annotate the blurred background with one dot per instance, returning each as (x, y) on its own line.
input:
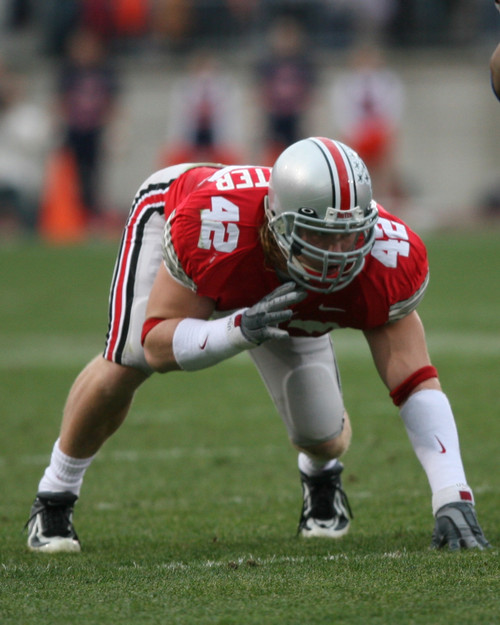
(97, 94)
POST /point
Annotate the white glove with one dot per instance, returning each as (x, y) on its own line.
(258, 323)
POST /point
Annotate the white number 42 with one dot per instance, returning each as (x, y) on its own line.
(395, 242)
(218, 227)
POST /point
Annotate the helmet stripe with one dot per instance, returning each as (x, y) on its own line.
(351, 178)
(342, 179)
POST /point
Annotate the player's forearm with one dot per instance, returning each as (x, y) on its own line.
(193, 344)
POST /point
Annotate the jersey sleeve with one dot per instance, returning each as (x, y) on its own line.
(172, 260)
(405, 307)
(400, 266)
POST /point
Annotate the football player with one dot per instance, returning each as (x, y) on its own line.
(218, 260)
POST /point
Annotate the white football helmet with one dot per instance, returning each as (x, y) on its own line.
(318, 188)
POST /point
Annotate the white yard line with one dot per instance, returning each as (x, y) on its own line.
(34, 351)
(159, 455)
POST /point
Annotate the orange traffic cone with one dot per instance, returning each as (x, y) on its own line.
(62, 214)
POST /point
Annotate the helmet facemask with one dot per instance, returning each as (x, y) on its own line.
(312, 266)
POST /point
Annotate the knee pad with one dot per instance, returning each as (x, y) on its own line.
(315, 408)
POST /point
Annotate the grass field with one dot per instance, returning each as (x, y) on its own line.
(189, 514)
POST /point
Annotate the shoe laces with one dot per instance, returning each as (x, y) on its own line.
(56, 518)
(323, 490)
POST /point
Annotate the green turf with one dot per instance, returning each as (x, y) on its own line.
(188, 516)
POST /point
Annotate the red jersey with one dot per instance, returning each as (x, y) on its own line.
(212, 245)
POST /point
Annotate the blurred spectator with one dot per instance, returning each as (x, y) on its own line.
(87, 95)
(286, 80)
(367, 105)
(24, 140)
(203, 110)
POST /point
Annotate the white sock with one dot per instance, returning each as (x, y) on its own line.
(64, 473)
(433, 434)
(312, 467)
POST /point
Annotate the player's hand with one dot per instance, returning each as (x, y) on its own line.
(258, 323)
(497, 4)
(457, 527)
